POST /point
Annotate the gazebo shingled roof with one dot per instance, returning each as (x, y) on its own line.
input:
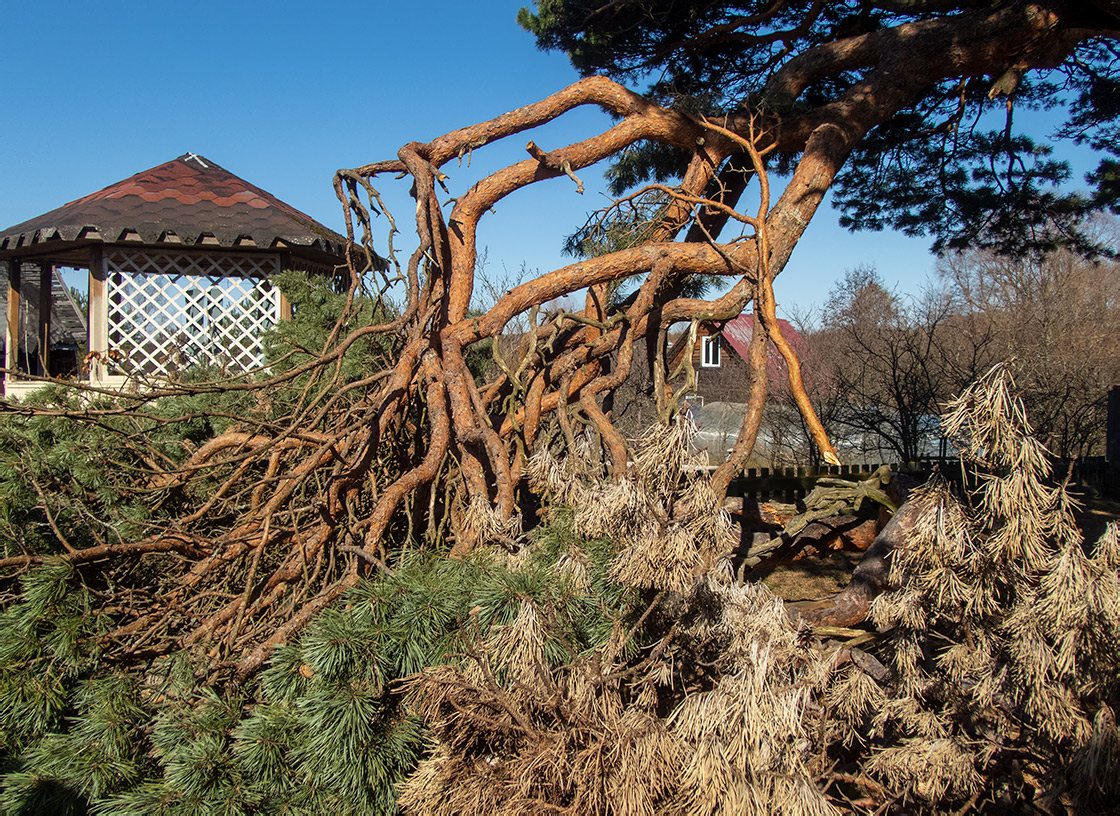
(179, 259)
(187, 201)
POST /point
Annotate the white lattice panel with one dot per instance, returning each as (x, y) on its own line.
(169, 310)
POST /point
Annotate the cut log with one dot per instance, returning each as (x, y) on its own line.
(837, 533)
(850, 605)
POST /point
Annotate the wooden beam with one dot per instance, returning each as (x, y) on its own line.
(98, 316)
(46, 312)
(285, 262)
(11, 350)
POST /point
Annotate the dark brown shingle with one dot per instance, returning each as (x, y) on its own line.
(181, 201)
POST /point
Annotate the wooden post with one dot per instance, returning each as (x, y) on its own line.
(98, 317)
(46, 298)
(11, 351)
(282, 263)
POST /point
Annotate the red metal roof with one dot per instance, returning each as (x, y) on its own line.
(739, 331)
(181, 201)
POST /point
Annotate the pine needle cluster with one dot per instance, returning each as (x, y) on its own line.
(695, 702)
(668, 524)
(1001, 631)
(68, 483)
(324, 729)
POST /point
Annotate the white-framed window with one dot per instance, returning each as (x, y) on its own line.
(709, 352)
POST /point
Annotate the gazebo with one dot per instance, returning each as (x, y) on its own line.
(179, 258)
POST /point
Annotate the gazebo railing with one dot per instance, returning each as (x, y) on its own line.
(168, 310)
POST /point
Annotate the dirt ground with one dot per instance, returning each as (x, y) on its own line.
(1095, 515)
(812, 577)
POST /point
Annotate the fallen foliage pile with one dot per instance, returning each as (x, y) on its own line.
(989, 679)
(611, 662)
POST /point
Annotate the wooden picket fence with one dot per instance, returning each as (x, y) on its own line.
(790, 484)
(1093, 473)
(793, 483)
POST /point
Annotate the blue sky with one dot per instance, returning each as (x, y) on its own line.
(284, 93)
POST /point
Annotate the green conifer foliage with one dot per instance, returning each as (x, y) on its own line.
(92, 722)
(319, 313)
(323, 729)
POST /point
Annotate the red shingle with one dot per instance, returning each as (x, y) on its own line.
(189, 196)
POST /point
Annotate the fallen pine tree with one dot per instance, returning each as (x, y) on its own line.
(610, 662)
(408, 419)
(211, 587)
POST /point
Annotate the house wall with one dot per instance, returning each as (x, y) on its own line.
(728, 382)
(633, 407)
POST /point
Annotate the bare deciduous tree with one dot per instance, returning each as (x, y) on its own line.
(1056, 317)
(889, 360)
